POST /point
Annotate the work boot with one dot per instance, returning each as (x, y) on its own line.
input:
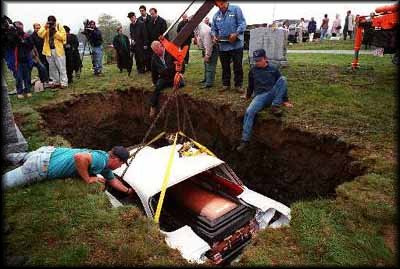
(276, 111)
(153, 112)
(224, 88)
(205, 87)
(242, 146)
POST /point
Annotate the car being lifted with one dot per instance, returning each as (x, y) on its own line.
(207, 213)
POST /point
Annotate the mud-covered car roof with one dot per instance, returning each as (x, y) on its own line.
(146, 172)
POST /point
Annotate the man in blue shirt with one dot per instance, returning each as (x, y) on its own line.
(227, 29)
(268, 87)
(50, 163)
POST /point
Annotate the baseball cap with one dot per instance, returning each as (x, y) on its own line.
(259, 54)
(130, 14)
(121, 152)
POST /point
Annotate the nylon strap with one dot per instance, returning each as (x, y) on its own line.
(165, 181)
(200, 146)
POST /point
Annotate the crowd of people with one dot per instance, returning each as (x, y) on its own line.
(336, 29)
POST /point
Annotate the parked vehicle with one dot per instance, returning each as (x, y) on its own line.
(207, 213)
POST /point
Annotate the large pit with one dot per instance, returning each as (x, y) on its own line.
(285, 164)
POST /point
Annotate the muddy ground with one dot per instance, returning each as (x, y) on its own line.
(285, 164)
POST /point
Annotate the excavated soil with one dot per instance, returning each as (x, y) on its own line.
(285, 164)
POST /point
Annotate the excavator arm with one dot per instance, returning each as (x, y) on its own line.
(174, 47)
(385, 18)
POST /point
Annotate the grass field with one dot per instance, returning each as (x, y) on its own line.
(68, 223)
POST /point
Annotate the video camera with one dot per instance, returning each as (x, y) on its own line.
(86, 27)
(9, 37)
(51, 24)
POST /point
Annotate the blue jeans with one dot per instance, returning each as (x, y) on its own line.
(210, 67)
(323, 33)
(23, 78)
(275, 97)
(97, 59)
(43, 75)
(34, 167)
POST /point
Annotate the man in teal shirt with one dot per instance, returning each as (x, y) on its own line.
(50, 162)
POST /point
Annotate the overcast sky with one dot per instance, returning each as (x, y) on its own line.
(74, 13)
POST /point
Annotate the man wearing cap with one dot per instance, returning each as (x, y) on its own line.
(49, 162)
(268, 87)
(139, 41)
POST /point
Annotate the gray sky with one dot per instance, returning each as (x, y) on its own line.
(74, 13)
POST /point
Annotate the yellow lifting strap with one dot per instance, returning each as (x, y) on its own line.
(165, 181)
(200, 146)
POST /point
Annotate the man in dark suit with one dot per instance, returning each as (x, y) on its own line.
(156, 28)
(146, 19)
(139, 41)
(162, 74)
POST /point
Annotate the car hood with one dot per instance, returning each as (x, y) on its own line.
(146, 171)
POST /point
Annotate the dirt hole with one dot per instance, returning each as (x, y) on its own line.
(285, 164)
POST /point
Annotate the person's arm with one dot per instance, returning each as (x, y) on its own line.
(118, 185)
(115, 42)
(42, 32)
(60, 34)
(214, 30)
(145, 36)
(82, 164)
(241, 21)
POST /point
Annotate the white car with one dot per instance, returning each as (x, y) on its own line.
(207, 213)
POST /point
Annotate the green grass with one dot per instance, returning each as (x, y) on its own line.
(67, 223)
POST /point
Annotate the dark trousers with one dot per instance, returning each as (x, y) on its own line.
(23, 78)
(139, 59)
(226, 57)
(161, 84)
(43, 59)
(187, 55)
(43, 73)
(346, 32)
(147, 58)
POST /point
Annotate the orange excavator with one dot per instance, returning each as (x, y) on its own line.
(384, 23)
(174, 47)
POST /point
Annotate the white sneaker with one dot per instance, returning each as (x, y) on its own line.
(20, 96)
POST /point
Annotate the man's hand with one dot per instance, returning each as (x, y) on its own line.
(96, 179)
(206, 59)
(214, 39)
(233, 37)
(244, 96)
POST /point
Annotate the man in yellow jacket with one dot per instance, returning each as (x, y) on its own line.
(55, 37)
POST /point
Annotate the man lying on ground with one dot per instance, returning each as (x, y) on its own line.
(49, 162)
